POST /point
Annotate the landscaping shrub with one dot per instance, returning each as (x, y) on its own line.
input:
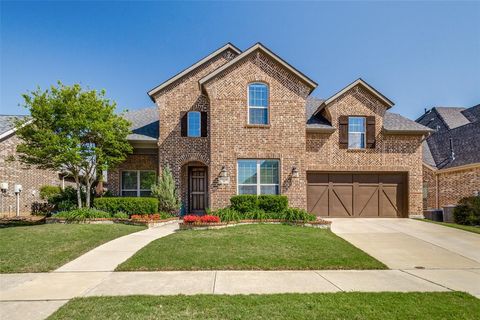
(60, 200)
(272, 203)
(244, 203)
(82, 214)
(166, 192)
(209, 219)
(129, 205)
(467, 212)
(228, 214)
(120, 215)
(294, 214)
(48, 192)
(42, 208)
(257, 214)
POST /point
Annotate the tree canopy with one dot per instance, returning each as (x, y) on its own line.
(73, 130)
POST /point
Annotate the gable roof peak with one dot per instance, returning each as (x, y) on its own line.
(259, 46)
(366, 85)
(179, 75)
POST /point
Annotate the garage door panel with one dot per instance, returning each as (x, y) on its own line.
(391, 201)
(366, 201)
(317, 200)
(341, 200)
(356, 194)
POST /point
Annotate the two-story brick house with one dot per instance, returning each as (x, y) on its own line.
(245, 123)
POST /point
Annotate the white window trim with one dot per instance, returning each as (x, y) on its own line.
(199, 124)
(258, 184)
(364, 132)
(138, 190)
(258, 107)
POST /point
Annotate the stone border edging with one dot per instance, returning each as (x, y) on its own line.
(321, 224)
(135, 222)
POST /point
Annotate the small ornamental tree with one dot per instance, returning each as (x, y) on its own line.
(74, 131)
(166, 192)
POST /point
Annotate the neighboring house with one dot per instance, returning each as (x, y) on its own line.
(451, 157)
(12, 171)
(244, 123)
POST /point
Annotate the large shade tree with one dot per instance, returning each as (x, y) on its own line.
(75, 131)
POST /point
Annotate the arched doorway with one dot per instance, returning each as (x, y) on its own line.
(195, 187)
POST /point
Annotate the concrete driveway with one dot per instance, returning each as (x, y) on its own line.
(411, 244)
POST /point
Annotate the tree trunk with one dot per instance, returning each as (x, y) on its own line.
(79, 192)
(88, 191)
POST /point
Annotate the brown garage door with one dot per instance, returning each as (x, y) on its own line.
(357, 195)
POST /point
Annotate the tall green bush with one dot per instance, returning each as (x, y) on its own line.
(467, 212)
(48, 192)
(272, 203)
(244, 203)
(129, 205)
(166, 192)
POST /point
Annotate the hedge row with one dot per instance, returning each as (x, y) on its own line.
(268, 203)
(129, 205)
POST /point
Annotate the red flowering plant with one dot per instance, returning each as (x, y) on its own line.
(154, 216)
(191, 218)
(209, 219)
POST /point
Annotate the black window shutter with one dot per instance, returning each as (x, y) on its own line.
(183, 124)
(203, 124)
(343, 132)
(370, 132)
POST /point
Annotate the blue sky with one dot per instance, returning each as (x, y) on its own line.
(419, 54)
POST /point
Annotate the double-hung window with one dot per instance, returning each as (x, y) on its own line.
(193, 124)
(258, 103)
(137, 183)
(356, 132)
(258, 177)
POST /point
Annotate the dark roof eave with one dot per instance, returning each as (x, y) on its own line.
(409, 132)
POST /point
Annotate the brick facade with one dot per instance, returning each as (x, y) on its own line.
(135, 161)
(229, 137)
(449, 186)
(391, 152)
(14, 172)
(232, 138)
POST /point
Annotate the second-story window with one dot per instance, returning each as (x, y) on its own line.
(194, 124)
(356, 133)
(258, 103)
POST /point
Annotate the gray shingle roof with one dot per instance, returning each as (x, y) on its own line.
(464, 132)
(427, 155)
(393, 122)
(7, 122)
(145, 124)
(316, 121)
(452, 116)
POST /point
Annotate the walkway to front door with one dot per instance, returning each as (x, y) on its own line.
(197, 190)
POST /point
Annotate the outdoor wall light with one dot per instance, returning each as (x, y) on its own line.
(223, 177)
(295, 173)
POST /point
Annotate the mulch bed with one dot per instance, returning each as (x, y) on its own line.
(21, 221)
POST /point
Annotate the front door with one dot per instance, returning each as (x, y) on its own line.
(197, 189)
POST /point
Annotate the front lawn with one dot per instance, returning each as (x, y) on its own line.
(353, 305)
(473, 229)
(46, 247)
(251, 247)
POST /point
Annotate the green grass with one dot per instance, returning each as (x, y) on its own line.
(358, 306)
(473, 229)
(251, 247)
(46, 247)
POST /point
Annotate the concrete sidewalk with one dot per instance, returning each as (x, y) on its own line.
(109, 255)
(35, 296)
